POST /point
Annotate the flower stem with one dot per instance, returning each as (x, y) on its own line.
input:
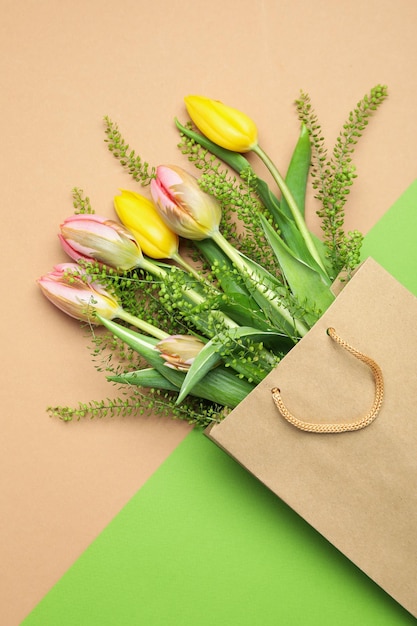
(152, 268)
(292, 205)
(263, 291)
(190, 269)
(188, 292)
(147, 328)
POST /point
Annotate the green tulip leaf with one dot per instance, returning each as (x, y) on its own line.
(306, 284)
(294, 240)
(237, 161)
(142, 344)
(208, 357)
(238, 310)
(147, 377)
(297, 174)
(225, 267)
(220, 385)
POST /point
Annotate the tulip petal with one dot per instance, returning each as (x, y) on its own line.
(95, 238)
(207, 358)
(76, 297)
(141, 217)
(227, 127)
(184, 207)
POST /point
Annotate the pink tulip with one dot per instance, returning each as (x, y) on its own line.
(73, 291)
(179, 351)
(94, 238)
(184, 207)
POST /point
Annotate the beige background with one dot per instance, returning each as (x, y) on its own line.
(63, 67)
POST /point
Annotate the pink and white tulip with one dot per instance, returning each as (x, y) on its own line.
(184, 207)
(73, 291)
(94, 238)
(179, 351)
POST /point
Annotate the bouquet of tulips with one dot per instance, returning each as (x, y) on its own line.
(212, 280)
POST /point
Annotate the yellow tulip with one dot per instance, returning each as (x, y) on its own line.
(225, 126)
(140, 216)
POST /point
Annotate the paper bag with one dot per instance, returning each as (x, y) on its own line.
(358, 489)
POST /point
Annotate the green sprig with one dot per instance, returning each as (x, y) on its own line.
(333, 178)
(238, 198)
(80, 203)
(152, 402)
(261, 268)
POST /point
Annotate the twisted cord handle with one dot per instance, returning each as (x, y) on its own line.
(343, 427)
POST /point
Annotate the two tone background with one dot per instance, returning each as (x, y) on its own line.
(63, 67)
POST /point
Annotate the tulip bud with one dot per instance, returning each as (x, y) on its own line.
(140, 216)
(96, 238)
(73, 291)
(225, 126)
(179, 351)
(184, 207)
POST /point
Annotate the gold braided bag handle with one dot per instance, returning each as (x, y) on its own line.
(343, 427)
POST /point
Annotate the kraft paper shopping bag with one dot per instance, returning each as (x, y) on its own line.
(357, 488)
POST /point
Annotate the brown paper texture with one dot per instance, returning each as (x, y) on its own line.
(358, 489)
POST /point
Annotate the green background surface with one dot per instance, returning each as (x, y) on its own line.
(203, 543)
